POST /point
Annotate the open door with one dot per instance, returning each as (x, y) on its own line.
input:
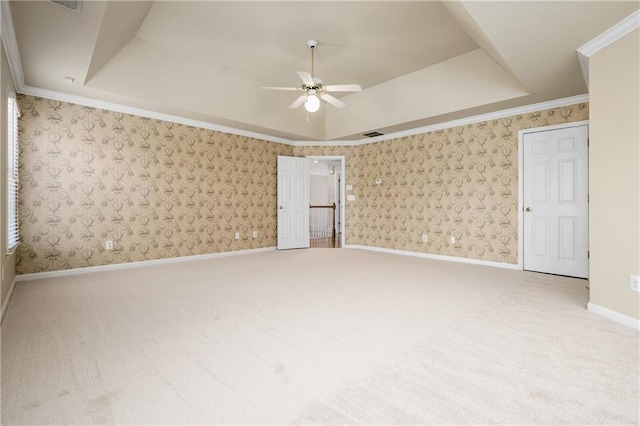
(556, 209)
(293, 202)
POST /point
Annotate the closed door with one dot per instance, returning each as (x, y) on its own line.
(293, 202)
(555, 190)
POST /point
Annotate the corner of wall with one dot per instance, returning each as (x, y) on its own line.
(7, 263)
(614, 210)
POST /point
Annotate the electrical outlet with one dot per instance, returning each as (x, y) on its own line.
(108, 245)
(425, 238)
(237, 236)
(634, 283)
(452, 240)
(255, 234)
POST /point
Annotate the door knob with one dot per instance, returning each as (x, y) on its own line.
(527, 209)
(280, 207)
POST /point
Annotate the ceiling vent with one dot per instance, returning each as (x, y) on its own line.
(74, 5)
(373, 134)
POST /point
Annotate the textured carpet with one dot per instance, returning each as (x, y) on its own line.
(314, 336)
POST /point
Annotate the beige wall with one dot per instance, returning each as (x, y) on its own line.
(156, 189)
(614, 167)
(461, 182)
(8, 262)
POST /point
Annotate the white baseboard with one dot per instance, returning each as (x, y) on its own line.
(614, 316)
(5, 304)
(436, 257)
(142, 263)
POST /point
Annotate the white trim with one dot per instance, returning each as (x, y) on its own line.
(339, 142)
(584, 65)
(541, 106)
(81, 100)
(11, 45)
(611, 35)
(521, 134)
(608, 37)
(15, 64)
(132, 265)
(5, 304)
(614, 316)
(435, 256)
(343, 192)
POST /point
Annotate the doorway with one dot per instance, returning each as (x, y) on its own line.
(554, 209)
(327, 201)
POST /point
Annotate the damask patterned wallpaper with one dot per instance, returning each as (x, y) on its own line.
(156, 189)
(460, 182)
(162, 190)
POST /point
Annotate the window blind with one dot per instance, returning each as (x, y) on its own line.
(13, 237)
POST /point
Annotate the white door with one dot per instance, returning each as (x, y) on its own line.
(555, 202)
(293, 202)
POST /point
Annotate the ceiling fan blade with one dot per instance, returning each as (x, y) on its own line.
(343, 88)
(298, 102)
(333, 101)
(306, 78)
(281, 88)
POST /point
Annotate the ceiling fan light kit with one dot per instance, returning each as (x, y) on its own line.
(314, 89)
(312, 103)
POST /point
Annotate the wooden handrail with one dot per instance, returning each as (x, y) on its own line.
(330, 206)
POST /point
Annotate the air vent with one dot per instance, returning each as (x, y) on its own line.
(372, 134)
(74, 5)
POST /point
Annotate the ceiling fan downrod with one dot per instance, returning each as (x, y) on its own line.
(312, 45)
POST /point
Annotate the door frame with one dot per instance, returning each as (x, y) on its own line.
(342, 186)
(521, 135)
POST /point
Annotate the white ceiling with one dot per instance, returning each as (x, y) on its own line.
(418, 62)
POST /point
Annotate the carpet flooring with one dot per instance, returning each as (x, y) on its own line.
(314, 337)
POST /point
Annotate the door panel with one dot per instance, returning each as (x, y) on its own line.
(555, 188)
(293, 202)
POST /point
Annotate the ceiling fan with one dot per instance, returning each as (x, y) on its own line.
(314, 89)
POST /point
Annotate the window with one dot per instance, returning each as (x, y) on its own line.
(13, 237)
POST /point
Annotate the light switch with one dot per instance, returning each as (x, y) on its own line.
(349, 187)
(351, 197)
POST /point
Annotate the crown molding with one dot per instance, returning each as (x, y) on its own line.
(11, 45)
(611, 35)
(90, 102)
(455, 123)
(80, 100)
(608, 37)
(13, 55)
(15, 65)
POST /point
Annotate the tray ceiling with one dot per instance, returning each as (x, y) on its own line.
(417, 61)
